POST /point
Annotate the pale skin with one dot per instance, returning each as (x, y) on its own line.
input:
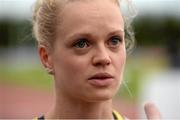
(90, 41)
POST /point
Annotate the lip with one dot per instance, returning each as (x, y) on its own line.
(101, 79)
(101, 76)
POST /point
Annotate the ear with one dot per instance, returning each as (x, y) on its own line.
(46, 58)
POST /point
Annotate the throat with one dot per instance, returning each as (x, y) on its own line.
(100, 110)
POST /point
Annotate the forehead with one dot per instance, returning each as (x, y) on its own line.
(87, 13)
(90, 7)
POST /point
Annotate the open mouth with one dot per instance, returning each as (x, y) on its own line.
(101, 76)
(101, 79)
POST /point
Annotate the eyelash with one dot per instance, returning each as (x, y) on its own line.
(79, 42)
(117, 38)
(84, 43)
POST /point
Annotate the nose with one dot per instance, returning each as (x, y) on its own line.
(101, 57)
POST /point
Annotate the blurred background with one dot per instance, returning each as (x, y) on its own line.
(152, 71)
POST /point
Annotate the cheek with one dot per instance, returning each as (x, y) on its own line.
(120, 60)
(119, 63)
(70, 68)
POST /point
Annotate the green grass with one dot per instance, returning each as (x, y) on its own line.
(33, 76)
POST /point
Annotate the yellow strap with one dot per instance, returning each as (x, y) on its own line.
(36, 118)
(118, 116)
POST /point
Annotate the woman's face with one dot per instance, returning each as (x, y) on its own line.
(89, 53)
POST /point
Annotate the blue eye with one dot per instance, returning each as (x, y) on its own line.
(82, 43)
(114, 41)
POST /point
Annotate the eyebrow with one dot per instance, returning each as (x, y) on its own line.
(76, 35)
(86, 34)
(116, 32)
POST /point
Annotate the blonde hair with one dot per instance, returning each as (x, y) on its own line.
(45, 22)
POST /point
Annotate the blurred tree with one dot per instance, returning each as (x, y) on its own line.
(172, 42)
(152, 31)
(4, 40)
(14, 33)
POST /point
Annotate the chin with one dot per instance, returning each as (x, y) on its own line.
(100, 96)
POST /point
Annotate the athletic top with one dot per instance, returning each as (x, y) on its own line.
(116, 116)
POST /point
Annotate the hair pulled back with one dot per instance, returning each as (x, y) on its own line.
(45, 22)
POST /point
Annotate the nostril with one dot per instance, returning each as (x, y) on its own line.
(101, 61)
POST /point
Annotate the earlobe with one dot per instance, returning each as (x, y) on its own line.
(46, 58)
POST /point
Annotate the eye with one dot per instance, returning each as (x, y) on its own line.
(82, 43)
(115, 41)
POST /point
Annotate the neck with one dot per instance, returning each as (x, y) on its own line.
(65, 108)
